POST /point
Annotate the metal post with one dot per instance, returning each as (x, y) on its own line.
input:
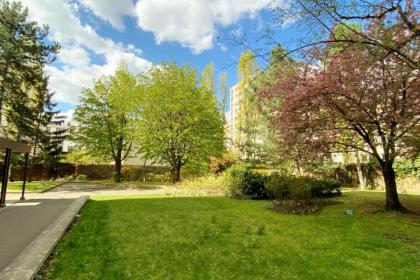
(5, 177)
(24, 176)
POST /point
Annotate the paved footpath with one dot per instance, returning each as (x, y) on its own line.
(30, 229)
(22, 222)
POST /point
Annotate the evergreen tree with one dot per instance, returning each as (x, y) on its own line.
(24, 51)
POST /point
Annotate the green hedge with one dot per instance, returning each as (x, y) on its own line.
(244, 183)
(289, 187)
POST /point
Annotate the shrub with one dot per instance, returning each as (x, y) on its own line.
(81, 178)
(242, 183)
(280, 187)
(135, 173)
(152, 177)
(218, 165)
(254, 185)
(300, 188)
(232, 181)
(205, 182)
(209, 185)
(277, 186)
(325, 187)
(407, 167)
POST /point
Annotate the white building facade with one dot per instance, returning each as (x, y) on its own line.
(232, 114)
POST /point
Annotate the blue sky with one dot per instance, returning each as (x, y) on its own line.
(98, 35)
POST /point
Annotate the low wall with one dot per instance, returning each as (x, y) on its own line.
(92, 171)
(347, 175)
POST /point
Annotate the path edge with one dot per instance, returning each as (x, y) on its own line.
(29, 261)
(53, 187)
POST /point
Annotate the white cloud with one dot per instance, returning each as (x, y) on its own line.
(111, 10)
(77, 40)
(193, 23)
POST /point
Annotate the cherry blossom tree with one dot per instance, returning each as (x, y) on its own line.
(354, 100)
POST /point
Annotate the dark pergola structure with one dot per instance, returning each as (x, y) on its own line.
(12, 147)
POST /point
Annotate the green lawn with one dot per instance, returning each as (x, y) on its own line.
(220, 238)
(35, 186)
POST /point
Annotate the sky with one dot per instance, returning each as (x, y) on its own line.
(96, 36)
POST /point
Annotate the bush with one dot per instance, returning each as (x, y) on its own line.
(242, 183)
(232, 181)
(277, 186)
(325, 187)
(134, 174)
(81, 178)
(152, 177)
(218, 165)
(205, 182)
(407, 168)
(300, 188)
(280, 187)
(299, 195)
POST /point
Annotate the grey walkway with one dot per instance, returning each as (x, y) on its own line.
(22, 222)
(98, 188)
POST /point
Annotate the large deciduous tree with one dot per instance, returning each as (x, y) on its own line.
(207, 78)
(106, 118)
(247, 120)
(224, 90)
(357, 100)
(180, 121)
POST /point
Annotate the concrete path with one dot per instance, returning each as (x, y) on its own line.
(22, 222)
(97, 188)
(30, 229)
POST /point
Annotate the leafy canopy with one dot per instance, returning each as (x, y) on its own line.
(180, 121)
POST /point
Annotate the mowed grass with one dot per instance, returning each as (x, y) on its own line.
(35, 186)
(220, 238)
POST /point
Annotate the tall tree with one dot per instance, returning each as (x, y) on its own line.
(207, 78)
(106, 116)
(24, 51)
(360, 100)
(180, 122)
(248, 117)
(224, 90)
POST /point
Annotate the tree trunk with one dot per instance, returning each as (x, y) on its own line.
(298, 168)
(392, 201)
(117, 167)
(143, 171)
(175, 173)
(361, 177)
(31, 162)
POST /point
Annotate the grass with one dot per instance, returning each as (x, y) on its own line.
(35, 186)
(218, 238)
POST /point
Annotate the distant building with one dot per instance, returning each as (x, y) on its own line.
(62, 127)
(232, 114)
(350, 157)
